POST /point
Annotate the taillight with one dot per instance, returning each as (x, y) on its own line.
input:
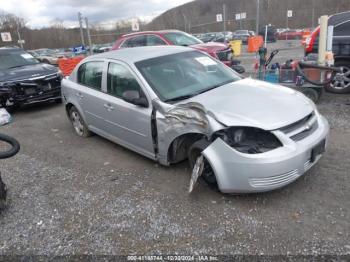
(311, 40)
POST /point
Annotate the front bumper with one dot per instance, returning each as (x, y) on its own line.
(243, 173)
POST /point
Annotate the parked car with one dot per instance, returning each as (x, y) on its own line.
(102, 48)
(271, 33)
(24, 80)
(290, 35)
(175, 103)
(241, 35)
(173, 37)
(46, 55)
(341, 50)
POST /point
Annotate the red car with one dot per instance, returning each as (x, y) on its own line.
(290, 35)
(173, 37)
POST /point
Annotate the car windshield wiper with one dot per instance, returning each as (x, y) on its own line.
(19, 66)
(179, 98)
(213, 87)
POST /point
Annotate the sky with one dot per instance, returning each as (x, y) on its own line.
(40, 13)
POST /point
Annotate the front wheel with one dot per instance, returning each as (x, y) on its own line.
(78, 123)
(341, 82)
(207, 173)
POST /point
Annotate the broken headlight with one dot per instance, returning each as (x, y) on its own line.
(249, 140)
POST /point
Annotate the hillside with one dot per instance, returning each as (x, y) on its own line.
(200, 16)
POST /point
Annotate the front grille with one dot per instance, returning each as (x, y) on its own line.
(38, 85)
(306, 132)
(274, 181)
(301, 129)
(225, 55)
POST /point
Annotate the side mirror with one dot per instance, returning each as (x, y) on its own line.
(133, 97)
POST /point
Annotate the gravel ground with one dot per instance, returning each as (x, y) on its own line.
(70, 195)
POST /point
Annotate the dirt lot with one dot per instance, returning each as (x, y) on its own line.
(69, 195)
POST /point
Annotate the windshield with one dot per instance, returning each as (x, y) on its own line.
(182, 39)
(183, 75)
(16, 58)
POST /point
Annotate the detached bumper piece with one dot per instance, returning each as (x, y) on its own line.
(36, 90)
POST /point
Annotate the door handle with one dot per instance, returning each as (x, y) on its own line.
(109, 107)
(79, 95)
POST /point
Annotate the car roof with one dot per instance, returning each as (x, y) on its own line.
(152, 32)
(136, 54)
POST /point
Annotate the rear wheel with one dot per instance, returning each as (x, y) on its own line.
(341, 82)
(208, 173)
(78, 123)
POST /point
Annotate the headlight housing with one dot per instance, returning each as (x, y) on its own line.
(249, 140)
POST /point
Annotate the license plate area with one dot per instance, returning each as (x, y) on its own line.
(319, 149)
(30, 91)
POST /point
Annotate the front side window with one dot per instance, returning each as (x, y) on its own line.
(90, 74)
(120, 79)
(183, 75)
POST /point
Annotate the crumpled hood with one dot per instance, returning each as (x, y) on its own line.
(210, 47)
(25, 72)
(255, 103)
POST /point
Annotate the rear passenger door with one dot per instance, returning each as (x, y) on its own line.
(89, 88)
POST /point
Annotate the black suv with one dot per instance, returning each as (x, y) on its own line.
(24, 80)
(341, 50)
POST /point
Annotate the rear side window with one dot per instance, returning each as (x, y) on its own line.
(90, 74)
(136, 41)
(120, 79)
(342, 29)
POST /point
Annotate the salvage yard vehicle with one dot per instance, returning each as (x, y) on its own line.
(24, 80)
(174, 37)
(46, 55)
(175, 103)
(340, 48)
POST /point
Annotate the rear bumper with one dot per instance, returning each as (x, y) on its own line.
(242, 173)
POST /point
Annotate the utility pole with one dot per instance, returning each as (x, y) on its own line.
(224, 16)
(257, 16)
(185, 21)
(19, 35)
(88, 34)
(80, 18)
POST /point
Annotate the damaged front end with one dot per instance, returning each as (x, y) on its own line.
(30, 91)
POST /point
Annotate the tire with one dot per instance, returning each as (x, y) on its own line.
(45, 61)
(3, 193)
(341, 83)
(208, 174)
(15, 147)
(311, 93)
(78, 123)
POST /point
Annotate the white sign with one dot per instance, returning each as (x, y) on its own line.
(238, 16)
(6, 37)
(135, 26)
(21, 41)
(219, 18)
(243, 15)
(289, 13)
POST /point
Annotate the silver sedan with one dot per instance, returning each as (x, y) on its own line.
(174, 103)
